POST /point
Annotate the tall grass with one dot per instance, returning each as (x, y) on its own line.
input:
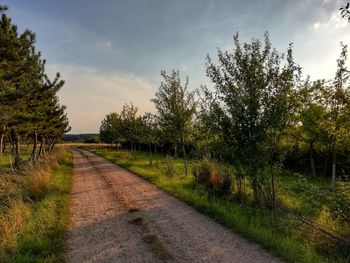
(34, 210)
(274, 230)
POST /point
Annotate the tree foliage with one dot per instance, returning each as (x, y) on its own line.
(254, 102)
(175, 109)
(29, 106)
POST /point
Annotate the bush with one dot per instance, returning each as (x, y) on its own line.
(168, 168)
(216, 178)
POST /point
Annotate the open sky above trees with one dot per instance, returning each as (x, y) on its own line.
(112, 52)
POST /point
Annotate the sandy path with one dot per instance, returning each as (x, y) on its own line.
(119, 217)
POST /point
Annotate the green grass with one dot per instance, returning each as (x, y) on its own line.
(273, 230)
(5, 159)
(43, 239)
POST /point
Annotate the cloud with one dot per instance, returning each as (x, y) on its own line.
(90, 94)
(333, 22)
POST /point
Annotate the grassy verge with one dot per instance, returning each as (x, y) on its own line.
(275, 231)
(36, 216)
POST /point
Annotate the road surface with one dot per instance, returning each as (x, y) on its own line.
(117, 216)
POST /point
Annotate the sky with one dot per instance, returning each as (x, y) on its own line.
(111, 52)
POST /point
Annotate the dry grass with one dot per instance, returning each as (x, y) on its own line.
(37, 176)
(13, 223)
(18, 194)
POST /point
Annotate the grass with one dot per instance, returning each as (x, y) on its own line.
(275, 231)
(5, 159)
(41, 199)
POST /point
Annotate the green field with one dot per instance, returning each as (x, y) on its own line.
(277, 231)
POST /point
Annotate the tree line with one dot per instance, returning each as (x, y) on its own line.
(29, 105)
(260, 114)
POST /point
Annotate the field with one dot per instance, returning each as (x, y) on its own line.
(280, 232)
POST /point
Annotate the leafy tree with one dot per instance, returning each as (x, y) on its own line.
(148, 132)
(130, 126)
(337, 101)
(111, 129)
(255, 99)
(176, 108)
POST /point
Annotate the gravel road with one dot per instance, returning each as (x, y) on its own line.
(117, 216)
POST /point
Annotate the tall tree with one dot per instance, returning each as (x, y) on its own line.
(337, 99)
(28, 100)
(176, 108)
(255, 99)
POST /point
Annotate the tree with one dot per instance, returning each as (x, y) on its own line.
(337, 99)
(130, 126)
(176, 108)
(255, 99)
(148, 133)
(111, 129)
(28, 99)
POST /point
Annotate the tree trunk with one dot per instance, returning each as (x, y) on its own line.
(175, 154)
(41, 149)
(134, 151)
(255, 190)
(333, 169)
(312, 161)
(33, 155)
(325, 167)
(150, 153)
(4, 146)
(52, 145)
(1, 144)
(155, 148)
(273, 190)
(17, 153)
(184, 154)
(131, 150)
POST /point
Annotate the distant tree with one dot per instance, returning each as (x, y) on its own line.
(130, 126)
(176, 108)
(111, 129)
(148, 132)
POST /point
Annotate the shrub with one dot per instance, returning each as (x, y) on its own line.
(168, 168)
(216, 178)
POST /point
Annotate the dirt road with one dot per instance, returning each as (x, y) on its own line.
(117, 216)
